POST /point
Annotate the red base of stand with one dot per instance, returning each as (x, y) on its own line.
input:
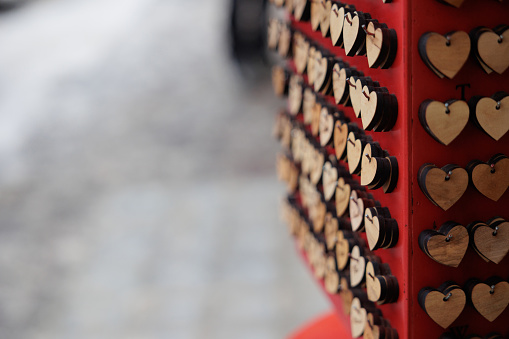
(327, 326)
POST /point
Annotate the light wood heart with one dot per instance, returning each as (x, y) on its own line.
(315, 118)
(330, 180)
(356, 211)
(321, 68)
(448, 56)
(372, 227)
(368, 107)
(493, 121)
(353, 151)
(338, 82)
(308, 102)
(494, 51)
(372, 283)
(371, 331)
(491, 305)
(317, 167)
(356, 96)
(358, 317)
(326, 127)
(342, 250)
(350, 31)
(373, 43)
(357, 266)
(450, 252)
(446, 193)
(444, 312)
(369, 166)
(343, 191)
(492, 182)
(340, 139)
(337, 17)
(346, 296)
(310, 68)
(447, 126)
(493, 247)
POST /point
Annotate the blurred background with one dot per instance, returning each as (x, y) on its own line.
(138, 196)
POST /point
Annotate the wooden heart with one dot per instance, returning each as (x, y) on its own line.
(357, 266)
(311, 63)
(495, 122)
(343, 191)
(351, 28)
(346, 296)
(339, 84)
(446, 123)
(492, 182)
(340, 139)
(295, 94)
(353, 151)
(490, 304)
(449, 249)
(316, 14)
(326, 127)
(494, 50)
(372, 283)
(371, 330)
(356, 211)
(316, 111)
(369, 166)
(446, 192)
(494, 246)
(342, 250)
(322, 72)
(369, 107)
(372, 227)
(358, 316)
(308, 102)
(447, 55)
(444, 311)
(455, 3)
(374, 44)
(356, 95)
(330, 180)
(337, 17)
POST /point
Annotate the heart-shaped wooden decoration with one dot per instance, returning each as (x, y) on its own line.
(455, 3)
(301, 52)
(376, 47)
(490, 299)
(354, 148)
(443, 308)
(443, 188)
(447, 246)
(343, 191)
(356, 211)
(326, 127)
(493, 49)
(493, 116)
(340, 139)
(301, 9)
(444, 121)
(342, 250)
(295, 94)
(492, 244)
(337, 17)
(330, 180)
(372, 284)
(346, 296)
(492, 180)
(445, 55)
(357, 266)
(358, 316)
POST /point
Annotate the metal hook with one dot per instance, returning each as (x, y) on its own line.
(495, 232)
(500, 38)
(363, 92)
(347, 20)
(366, 31)
(367, 217)
(492, 168)
(448, 42)
(448, 176)
(447, 297)
(350, 83)
(498, 105)
(448, 238)
(335, 12)
(492, 290)
(350, 141)
(447, 110)
(336, 71)
(368, 156)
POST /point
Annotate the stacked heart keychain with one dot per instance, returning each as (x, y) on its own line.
(491, 48)
(446, 246)
(491, 239)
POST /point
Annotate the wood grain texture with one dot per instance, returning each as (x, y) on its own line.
(445, 312)
(490, 305)
(493, 247)
(492, 182)
(495, 122)
(494, 51)
(450, 252)
(446, 193)
(446, 126)
(448, 59)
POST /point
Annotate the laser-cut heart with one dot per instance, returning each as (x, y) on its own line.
(330, 180)
(343, 191)
(444, 121)
(490, 302)
(443, 308)
(357, 266)
(447, 248)
(445, 55)
(444, 188)
(358, 316)
(492, 245)
(493, 117)
(492, 180)
(326, 127)
(493, 49)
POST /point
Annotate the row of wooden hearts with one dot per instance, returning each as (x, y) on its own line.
(373, 104)
(457, 3)
(449, 244)
(445, 121)
(355, 31)
(348, 249)
(336, 281)
(365, 157)
(445, 304)
(445, 186)
(446, 54)
(279, 37)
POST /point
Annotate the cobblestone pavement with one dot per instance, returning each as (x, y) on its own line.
(138, 196)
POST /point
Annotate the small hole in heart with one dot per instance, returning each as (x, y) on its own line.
(448, 238)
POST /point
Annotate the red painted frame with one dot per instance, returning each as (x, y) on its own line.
(412, 82)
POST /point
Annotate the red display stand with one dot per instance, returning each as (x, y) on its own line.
(413, 82)
(327, 326)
